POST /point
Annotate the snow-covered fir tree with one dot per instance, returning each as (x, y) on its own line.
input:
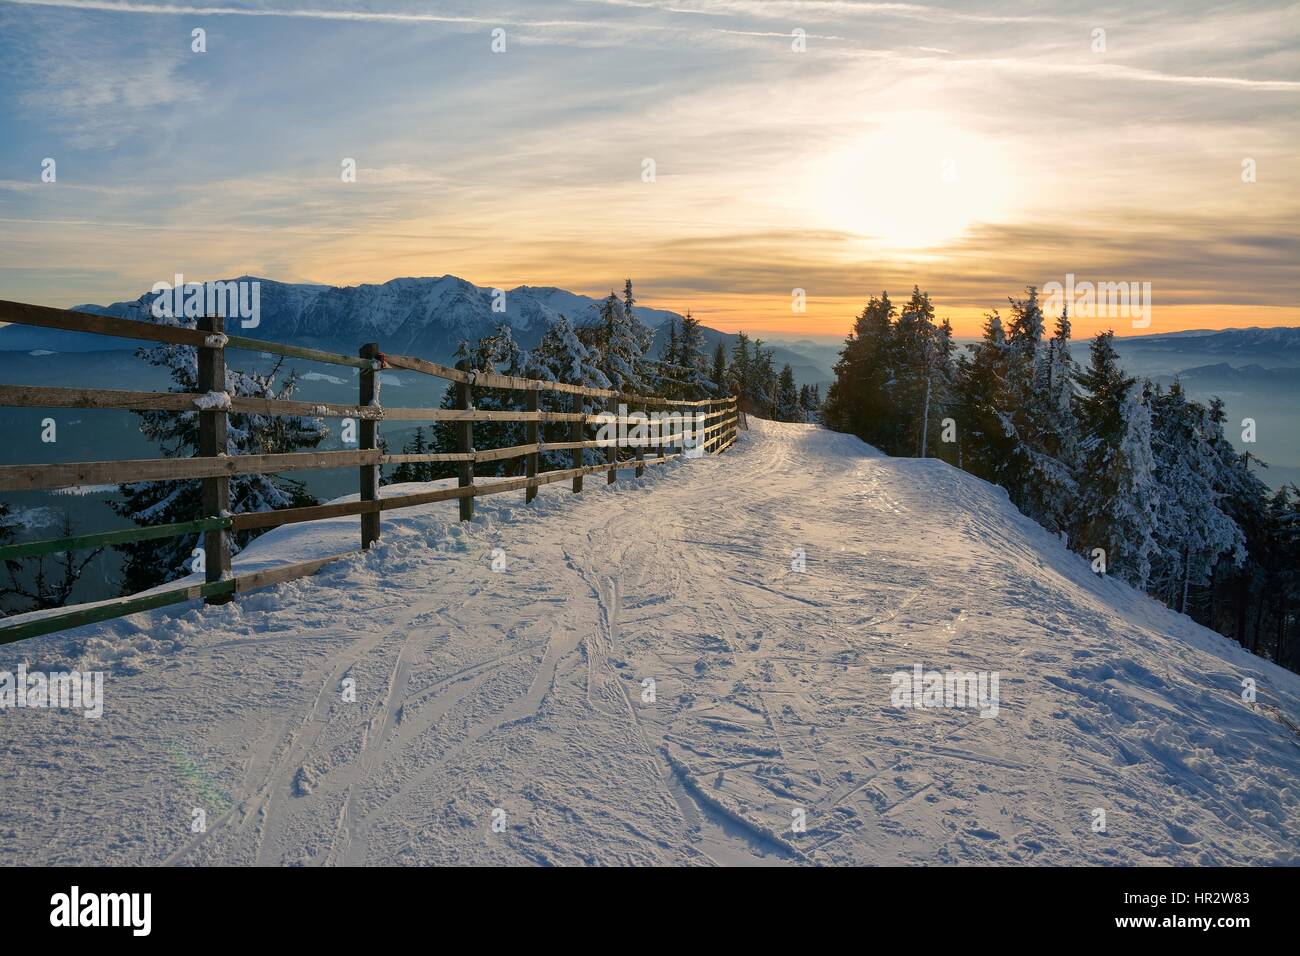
(561, 356)
(718, 374)
(1192, 530)
(1118, 498)
(762, 381)
(913, 361)
(810, 398)
(691, 360)
(622, 343)
(983, 445)
(739, 371)
(415, 470)
(1034, 470)
(671, 347)
(501, 354)
(149, 563)
(1057, 384)
(788, 407)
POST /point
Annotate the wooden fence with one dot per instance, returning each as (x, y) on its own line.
(214, 466)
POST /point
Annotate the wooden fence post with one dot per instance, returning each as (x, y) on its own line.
(611, 453)
(369, 439)
(465, 442)
(213, 423)
(640, 448)
(533, 433)
(577, 433)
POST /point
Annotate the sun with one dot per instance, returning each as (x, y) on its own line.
(913, 181)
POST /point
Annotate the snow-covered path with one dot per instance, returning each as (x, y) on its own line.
(524, 691)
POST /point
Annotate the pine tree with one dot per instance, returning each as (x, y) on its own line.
(763, 382)
(561, 356)
(1245, 499)
(622, 344)
(943, 389)
(153, 562)
(861, 399)
(811, 401)
(1192, 531)
(1278, 597)
(719, 373)
(692, 365)
(497, 353)
(788, 407)
(415, 470)
(913, 363)
(671, 349)
(1038, 476)
(740, 371)
(983, 443)
(1117, 500)
(1058, 387)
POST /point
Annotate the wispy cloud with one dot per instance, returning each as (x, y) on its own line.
(306, 13)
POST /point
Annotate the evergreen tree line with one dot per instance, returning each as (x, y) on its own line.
(611, 352)
(1138, 478)
(760, 389)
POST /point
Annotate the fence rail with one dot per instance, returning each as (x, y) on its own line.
(214, 466)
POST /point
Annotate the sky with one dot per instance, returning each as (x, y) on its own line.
(722, 154)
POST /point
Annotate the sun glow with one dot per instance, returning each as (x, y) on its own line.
(914, 181)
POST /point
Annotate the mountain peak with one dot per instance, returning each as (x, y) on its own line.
(421, 315)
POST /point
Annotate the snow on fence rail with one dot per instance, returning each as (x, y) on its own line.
(214, 466)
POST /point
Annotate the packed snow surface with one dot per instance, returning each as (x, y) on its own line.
(521, 695)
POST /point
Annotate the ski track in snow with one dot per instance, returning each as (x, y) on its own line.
(522, 690)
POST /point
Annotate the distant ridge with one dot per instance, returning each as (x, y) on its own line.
(427, 317)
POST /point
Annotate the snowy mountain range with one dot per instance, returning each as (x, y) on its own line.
(422, 316)
(426, 317)
(1275, 346)
(429, 317)
(1287, 337)
(1225, 375)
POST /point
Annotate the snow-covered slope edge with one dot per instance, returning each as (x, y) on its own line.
(524, 690)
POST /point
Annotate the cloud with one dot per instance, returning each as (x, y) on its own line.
(525, 168)
(309, 13)
(93, 88)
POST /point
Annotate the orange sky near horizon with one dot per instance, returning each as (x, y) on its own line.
(834, 317)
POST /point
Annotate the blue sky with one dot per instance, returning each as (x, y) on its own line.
(821, 168)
